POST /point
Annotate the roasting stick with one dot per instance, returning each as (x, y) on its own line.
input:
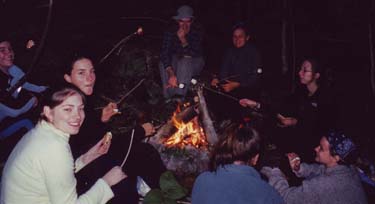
(122, 98)
(222, 94)
(130, 147)
(134, 88)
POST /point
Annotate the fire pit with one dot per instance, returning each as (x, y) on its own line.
(185, 140)
(182, 146)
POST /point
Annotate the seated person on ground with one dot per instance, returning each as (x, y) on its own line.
(306, 114)
(143, 161)
(333, 181)
(232, 178)
(181, 54)
(241, 67)
(41, 168)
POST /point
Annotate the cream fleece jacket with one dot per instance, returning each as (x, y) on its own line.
(40, 170)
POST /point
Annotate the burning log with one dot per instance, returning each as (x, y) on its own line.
(182, 141)
(206, 119)
(183, 129)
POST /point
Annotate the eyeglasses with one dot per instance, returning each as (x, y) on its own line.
(185, 21)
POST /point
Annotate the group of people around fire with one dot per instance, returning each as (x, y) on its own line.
(69, 157)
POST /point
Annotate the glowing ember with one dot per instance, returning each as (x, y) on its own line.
(190, 133)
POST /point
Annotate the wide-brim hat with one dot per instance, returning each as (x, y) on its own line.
(184, 11)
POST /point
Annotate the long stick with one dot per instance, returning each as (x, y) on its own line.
(229, 77)
(127, 94)
(130, 147)
(39, 50)
(221, 93)
(123, 40)
(122, 98)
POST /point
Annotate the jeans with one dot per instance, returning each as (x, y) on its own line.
(184, 68)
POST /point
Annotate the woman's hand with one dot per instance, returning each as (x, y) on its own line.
(97, 150)
(109, 111)
(286, 121)
(114, 176)
(149, 129)
(294, 161)
(248, 103)
(230, 85)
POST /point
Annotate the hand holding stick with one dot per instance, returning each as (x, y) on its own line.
(115, 109)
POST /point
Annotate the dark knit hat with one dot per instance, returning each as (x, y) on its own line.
(340, 144)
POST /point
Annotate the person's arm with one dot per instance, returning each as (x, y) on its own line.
(58, 174)
(225, 65)
(306, 193)
(17, 74)
(309, 170)
(34, 88)
(108, 111)
(288, 114)
(250, 103)
(11, 112)
(286, 121)
(166, 49)
(225, 70)
(230, 85)
(96, 151)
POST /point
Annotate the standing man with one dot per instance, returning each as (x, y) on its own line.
(181, 54)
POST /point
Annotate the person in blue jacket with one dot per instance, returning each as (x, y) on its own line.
(232, 178)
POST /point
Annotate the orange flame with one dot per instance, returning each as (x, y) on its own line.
(190, 133)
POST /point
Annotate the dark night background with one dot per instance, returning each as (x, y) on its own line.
(336, 32)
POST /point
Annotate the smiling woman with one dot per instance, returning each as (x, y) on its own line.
(41, 169)
(65, 111)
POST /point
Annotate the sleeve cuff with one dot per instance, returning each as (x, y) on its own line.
(78, 165)
(108, 193)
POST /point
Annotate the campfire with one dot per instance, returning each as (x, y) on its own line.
(185, 140)
(187, 133)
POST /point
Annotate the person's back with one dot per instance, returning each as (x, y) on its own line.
(233, 184)
(232, 178)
